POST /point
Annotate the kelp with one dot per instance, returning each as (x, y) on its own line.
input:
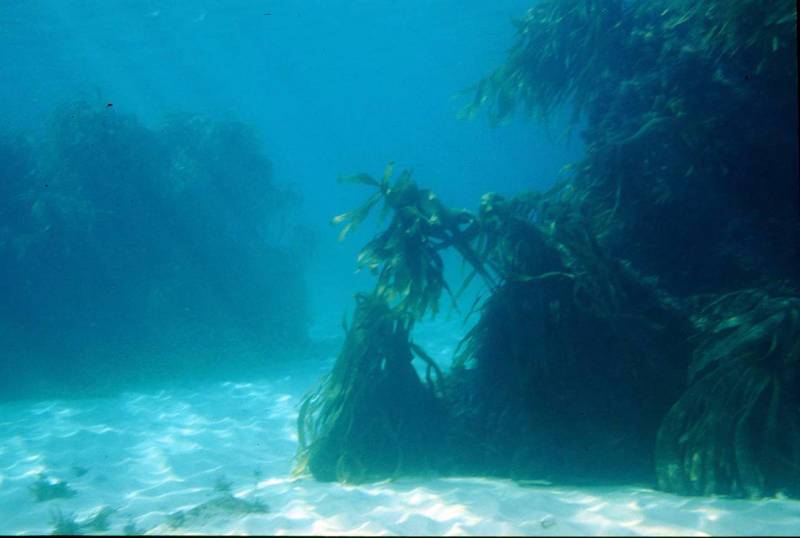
(759, 29)
(559, 372)
(405, 256)
(583, 346)
(559, 310)
(575, 52)
(128, 242)
(736, 430)
(659, 85)
(573, 365)
(371, 417)
(556, 60)
(677, 98)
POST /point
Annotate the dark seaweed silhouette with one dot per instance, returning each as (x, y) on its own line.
(642, 318)
(47, 489)
(123, 245)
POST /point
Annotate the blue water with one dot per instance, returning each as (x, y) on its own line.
(328, 87)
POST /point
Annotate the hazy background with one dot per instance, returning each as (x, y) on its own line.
(332, 87)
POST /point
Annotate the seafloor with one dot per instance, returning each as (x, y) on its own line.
(217, 458)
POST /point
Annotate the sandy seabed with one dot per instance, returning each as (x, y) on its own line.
(218, 459)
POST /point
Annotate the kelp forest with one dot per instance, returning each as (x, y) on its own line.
(640, 319)
(160, 249)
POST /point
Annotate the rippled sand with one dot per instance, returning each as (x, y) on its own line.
(155, 458)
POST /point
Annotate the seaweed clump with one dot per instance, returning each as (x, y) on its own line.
(47, 489)
(68, 525)
(125, 241)
(574, 359)
(642, 319)
(559, 311)
(373, 417)
(678, 98)
(736, 429)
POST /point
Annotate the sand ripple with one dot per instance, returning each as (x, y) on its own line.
(152, 456)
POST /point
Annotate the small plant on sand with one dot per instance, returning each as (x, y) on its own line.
(131, 529)
(64, 524)
(223, 485)
(219, 507)
(46, 489)
(67, 524)
(79, 471)
(101, 521)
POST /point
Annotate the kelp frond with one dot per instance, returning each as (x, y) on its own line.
(559, 58)
(406, 254)
(371, 417)
(725, 29)
(736, 430)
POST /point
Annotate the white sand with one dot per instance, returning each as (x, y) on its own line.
(151, 454)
